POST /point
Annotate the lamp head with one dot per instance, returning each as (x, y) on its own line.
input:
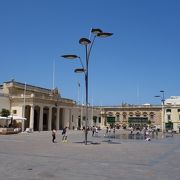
(70, 56)
(104, 34)
(84, 41)
(157, 96)
(79, 70)
(96, 31)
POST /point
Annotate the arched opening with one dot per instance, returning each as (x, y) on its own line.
(54, 116)
(36, 118)
(61, 119)
(79, 122)
(27, 116)
(45, 118)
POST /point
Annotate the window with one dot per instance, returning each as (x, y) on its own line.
(151, 116)
(168, 110)
(145, 114)
(94, 119)
(168, 117)
(14, 111)
(178, 110)
(117, 117)
(99, 119)
(124, 117)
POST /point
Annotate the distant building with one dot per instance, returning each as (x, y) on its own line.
(4, 101)
(172, 113)
(136, 116)
(44, 109)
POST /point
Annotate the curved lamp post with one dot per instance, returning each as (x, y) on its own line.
(96, 32)
(163, 110)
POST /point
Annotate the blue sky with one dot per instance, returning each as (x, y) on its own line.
(139, 60)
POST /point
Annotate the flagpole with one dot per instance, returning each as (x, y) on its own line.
(53, 73)
(24, 108)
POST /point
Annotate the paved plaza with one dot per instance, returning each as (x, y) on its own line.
(32, 156)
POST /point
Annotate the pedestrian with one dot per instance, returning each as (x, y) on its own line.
(64, 133)
(107, 130)
(53, 135)
(114, 132)
(96, 131)
(93, 130)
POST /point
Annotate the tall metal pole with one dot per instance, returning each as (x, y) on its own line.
(24, 107)
(86, 83)
(163, 110)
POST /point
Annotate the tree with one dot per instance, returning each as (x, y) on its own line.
(5, 112)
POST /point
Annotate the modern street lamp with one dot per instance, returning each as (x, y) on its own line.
(88, 43)
(163, 110)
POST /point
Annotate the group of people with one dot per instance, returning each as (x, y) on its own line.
(64, 135)
(109, 131)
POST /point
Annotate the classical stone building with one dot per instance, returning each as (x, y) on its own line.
(171, 110)
(45, 109)
(5, 101)
(132, 115)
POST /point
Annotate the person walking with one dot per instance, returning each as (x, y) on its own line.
(64, 133)
(114, 132)
(93, 130)
(53, 135)
(107, 131)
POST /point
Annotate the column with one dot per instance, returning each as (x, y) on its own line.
(57, 119)
(23, 115)
(82, 109)
(50, 119)
(70, 118)
(31, 126)
(66, 117)
(41, 119)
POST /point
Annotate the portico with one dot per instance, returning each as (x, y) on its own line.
(43, 108)
(45, 118)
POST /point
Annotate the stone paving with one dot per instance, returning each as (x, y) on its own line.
(32, 156)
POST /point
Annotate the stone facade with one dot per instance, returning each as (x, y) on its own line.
(5, 102)
(172, 113)
(45, 109)
(132, 115)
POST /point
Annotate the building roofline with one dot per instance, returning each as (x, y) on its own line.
(29, 85)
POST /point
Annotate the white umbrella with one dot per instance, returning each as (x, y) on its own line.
(4, 118)
(15, 117)
(20, 118)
